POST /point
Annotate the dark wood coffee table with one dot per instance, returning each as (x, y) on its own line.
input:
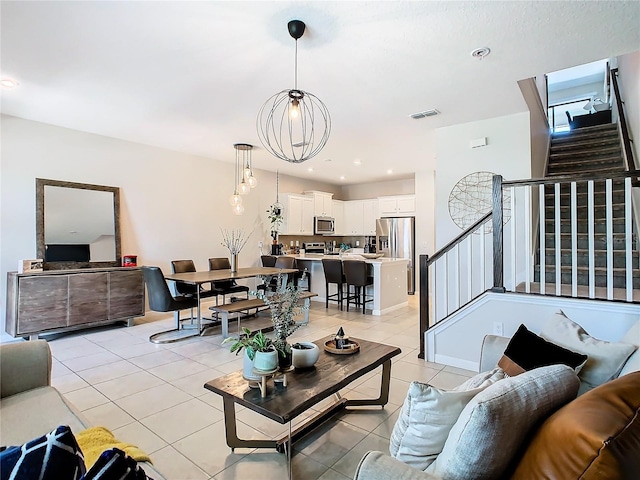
(304, 390)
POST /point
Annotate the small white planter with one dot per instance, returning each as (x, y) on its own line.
(247, 369)
(265, 361)
(305, 357)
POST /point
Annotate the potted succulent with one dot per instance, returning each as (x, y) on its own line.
(259, 352)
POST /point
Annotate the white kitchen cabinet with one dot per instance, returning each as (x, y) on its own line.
(298, 215)
(354, 217)
(397, 206)
(337, 209)
(369, 216)
(322, 203)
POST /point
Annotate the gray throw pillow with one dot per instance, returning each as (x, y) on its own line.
(493, 425)
(427, 415)
(606, 359)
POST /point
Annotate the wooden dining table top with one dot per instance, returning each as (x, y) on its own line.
(204, 276)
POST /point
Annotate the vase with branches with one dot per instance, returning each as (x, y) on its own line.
(234, 240)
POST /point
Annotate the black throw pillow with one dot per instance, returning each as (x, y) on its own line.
(114, 464)
(527, 351)
(54, 456)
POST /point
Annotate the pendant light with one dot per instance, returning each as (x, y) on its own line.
(247, 162)
(236, 200)
(243, 187)
(294, 125)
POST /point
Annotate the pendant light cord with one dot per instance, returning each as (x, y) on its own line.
(295, 82)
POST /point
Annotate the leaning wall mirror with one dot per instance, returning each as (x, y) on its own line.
(77, 224)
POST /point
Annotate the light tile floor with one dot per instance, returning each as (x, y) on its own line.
(153, 396)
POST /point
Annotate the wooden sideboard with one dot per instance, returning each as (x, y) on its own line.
(60, 300)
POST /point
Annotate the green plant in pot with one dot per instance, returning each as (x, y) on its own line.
(284, 306)
(259, 352)
(275, 219)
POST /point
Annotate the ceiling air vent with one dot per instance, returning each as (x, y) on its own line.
(426, 113)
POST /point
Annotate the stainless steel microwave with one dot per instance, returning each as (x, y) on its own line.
(324, 226)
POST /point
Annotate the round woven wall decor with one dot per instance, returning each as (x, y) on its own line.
(470, 200)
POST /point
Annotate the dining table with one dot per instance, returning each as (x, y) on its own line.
(200, 278)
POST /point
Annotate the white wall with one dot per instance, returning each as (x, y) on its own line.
(507, 153)
(629, 82)
(363, 191)
(458, 341)
(577, 93)
(172, 204)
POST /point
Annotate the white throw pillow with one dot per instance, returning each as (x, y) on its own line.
(427, 415)
(632, 337)
(606, 359)
(493, 425)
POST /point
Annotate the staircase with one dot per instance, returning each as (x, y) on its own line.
(595, 150)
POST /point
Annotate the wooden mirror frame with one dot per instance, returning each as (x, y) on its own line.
(40, 234)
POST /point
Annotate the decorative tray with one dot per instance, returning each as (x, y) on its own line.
(352, 347)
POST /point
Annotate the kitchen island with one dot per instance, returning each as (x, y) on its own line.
(389, 287)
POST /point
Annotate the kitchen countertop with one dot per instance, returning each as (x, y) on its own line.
(348, 256)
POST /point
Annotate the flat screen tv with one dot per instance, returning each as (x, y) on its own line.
(67, 253)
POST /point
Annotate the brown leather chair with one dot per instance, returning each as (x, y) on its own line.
(356, 274)
(333, 274)
(225, 287)
(268, 260)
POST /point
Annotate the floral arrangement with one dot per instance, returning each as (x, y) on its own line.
(284, 308)
(234, 240)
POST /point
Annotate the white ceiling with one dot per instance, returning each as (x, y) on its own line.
(191, 76)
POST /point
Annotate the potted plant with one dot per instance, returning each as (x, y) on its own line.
(284, 305)
(259, 352)
(275, 220)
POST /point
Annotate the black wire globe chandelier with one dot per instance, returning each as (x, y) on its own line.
(294, 125)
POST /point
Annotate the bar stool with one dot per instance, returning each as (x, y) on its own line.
(333, 274)
(355, 271)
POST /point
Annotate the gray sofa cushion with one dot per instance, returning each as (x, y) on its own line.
(28, 415)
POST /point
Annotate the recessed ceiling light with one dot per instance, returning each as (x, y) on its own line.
(8, 83)
(342, 177)
(389, 172)
(481, 52)
(309, 169)
(357, 161)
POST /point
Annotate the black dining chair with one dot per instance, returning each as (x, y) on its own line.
(225, 287)
(279, 262)
(268, 260)
(161, 300)
(357, 276)
(333, 274)
(185, 266)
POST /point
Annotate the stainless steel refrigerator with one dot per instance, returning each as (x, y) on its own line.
(395, 237)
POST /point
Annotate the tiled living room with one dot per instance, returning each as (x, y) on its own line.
(153, 396)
